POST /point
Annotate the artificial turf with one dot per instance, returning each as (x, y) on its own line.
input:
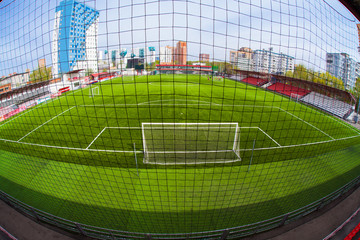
(300, 155)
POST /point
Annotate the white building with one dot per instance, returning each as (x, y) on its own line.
(15, 80)
(270, 62)
(166, 55)
(342, 66)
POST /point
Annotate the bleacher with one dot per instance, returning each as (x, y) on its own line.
(331, 105)
(288, 90)
(255, 81)
(24, 96)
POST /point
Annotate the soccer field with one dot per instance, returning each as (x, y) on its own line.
(171, 153)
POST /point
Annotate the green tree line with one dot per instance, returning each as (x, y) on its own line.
(41, 74)
(301, 72)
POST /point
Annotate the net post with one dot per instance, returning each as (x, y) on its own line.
(144, 141)
(252, 154)
(225, 234)
(137, 169)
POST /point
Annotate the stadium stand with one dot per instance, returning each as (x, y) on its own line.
(288, 90)
(255, 81)
(331, 105)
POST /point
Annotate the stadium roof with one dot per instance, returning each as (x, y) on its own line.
(353, 6)
(24, 88)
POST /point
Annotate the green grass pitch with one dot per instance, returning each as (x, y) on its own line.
(74, 156)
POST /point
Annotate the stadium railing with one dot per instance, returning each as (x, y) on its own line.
(230, 233)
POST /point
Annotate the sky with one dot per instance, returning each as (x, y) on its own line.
(303, 29)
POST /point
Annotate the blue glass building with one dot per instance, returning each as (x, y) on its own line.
(74, 38)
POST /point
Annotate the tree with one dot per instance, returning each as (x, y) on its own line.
(41, 74)
(89, 71)
(301, 72)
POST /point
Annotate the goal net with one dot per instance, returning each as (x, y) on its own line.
(190, 143)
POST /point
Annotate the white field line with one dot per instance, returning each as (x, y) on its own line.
(96, 138)
(125, 127)
(39, 105)
(164, 124)
(132, 151)
(170, 84)
(178, 100)
(339, 121)
(269, 137)
(219, 161)
(303, 144)
(45, 123)
(204, 103)
(70, 148)
(307, 123)
(209, 151)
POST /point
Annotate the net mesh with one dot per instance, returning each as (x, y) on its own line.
(190, 143)
(176, 116)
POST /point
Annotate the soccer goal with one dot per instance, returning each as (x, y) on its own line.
(94, 91)
(190, 143)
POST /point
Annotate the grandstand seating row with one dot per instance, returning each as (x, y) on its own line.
(331, 105)
(288, 90)
(255, 81)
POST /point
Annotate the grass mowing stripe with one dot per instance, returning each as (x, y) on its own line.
(162, 196)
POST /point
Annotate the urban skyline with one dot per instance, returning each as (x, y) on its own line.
(307, 51)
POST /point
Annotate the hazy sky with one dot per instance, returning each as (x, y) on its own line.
(304, 29)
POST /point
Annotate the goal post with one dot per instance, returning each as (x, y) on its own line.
(190, 143)
(94, 91)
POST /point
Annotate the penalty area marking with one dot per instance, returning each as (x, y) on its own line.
(307, 123)
(125, 151)
(39, 105)
(96, 138)
(45, 123)
(265, 135)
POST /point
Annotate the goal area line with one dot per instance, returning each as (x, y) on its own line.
(138, 151)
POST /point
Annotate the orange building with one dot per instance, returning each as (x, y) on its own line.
(42, 63)
(180, 53)
(203, 57)
(5, 88)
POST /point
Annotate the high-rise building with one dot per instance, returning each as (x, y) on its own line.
(267, 61)
(74, 43)
(242, 59)
(150, 55)
(100, 55)
(342, 66)
(358, 28)
(180, 54)
(204, 57)
(166, 55)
